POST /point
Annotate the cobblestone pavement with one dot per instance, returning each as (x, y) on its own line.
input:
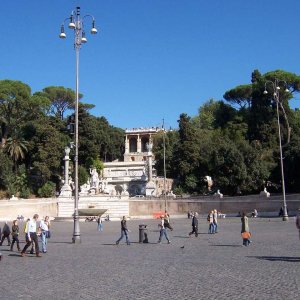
(210, 266)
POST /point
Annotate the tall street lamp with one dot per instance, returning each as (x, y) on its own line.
(76, 23)
(276, 88)
(165, 172)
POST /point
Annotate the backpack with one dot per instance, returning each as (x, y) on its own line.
(208, 218)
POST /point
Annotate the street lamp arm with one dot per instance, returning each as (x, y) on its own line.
(88, 15)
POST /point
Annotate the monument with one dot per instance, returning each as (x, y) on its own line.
(111, 188)
(135, 175)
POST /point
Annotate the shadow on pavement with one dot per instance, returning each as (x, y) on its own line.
(226, 245)
(59, 242)
(278, 258)
(181, 236)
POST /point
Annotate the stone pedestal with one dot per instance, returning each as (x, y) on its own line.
(65, 191)
(150, 189)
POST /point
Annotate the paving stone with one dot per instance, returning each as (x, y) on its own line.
(209, 266)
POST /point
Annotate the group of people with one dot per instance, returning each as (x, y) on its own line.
(212, 219)
(163, 225)
(33, 230)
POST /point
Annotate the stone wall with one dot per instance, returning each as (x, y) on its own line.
(142, 207)
(227, 205)
(10, 209)
(115, 206)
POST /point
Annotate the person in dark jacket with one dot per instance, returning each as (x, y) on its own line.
(15, 235)
(5, 234)
(194, 225)
(167, 221)
(124, 232)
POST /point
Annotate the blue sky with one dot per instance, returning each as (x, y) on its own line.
(151, 59)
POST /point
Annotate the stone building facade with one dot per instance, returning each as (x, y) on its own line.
(136, 175)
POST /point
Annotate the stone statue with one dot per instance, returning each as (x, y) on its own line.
(209, 182)
(85, 188)
(94, 179)
(218, 194)
(265, 193)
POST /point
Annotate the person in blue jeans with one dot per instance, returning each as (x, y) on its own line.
(124, 232)
(44, 228)
(99, 224)
(163, 230)
(210, 219)
(215, 221)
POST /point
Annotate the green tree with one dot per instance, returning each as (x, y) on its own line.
(240, 95)
(186, 156)
(61, 99)
(227, 167)
(83, 175)
(6, 167)
(14, 98)
(17, 106)
(171, 143)
(46, 150)
(16, 148)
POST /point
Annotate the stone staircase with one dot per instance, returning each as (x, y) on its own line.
(115, 207)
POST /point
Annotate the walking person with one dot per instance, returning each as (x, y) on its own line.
(163, 230)
(210, 219)
(124, 232)
(99, 224)
(245, 230)
(44, 233)
(15, 231)
(5, 234)
(26, 236)
(32, 236)
(194, 225)
(298, 221)
(215, 221)
(167, 221)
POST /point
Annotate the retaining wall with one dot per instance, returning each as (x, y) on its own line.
(142, 207)
(203, 205)
(10, 209)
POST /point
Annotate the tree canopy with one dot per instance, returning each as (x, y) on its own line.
(234, 140)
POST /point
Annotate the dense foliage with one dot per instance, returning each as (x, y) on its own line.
(34, 134)
(235, 140)
(237, 143)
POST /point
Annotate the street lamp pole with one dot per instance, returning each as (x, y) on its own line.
(76, 23)
(165, 172)
(275, 84)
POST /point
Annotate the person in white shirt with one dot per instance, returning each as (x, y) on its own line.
(32, 236)
(44, 228)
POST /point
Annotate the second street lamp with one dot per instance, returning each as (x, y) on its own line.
(165, 172)
(76, 23)
(276, 88)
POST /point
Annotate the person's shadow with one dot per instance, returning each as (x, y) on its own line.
(278, 258)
